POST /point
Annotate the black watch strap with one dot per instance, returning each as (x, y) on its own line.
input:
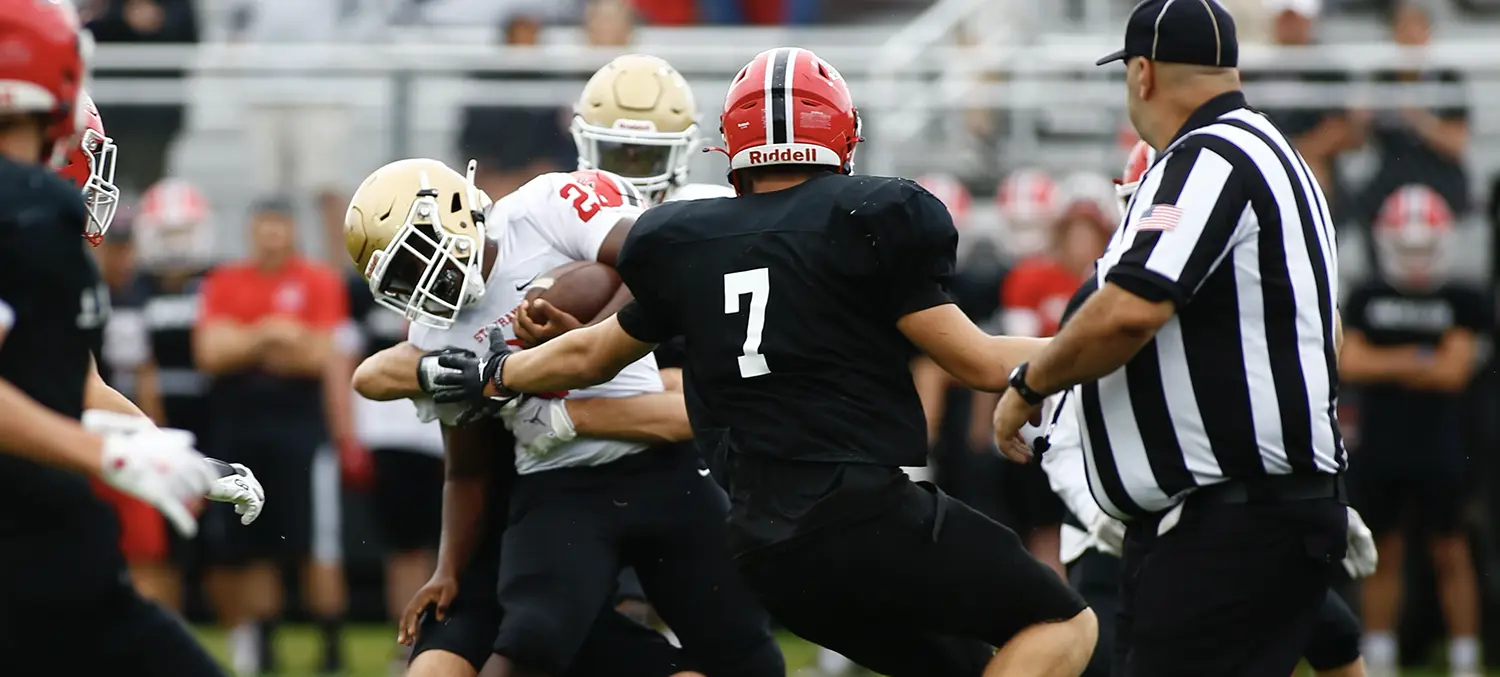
(1018, 383)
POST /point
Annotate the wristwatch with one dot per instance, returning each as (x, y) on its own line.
(1018, 384)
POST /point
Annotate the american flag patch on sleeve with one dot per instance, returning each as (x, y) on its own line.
(1159, 217)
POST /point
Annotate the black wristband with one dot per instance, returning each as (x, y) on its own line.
(494, 371)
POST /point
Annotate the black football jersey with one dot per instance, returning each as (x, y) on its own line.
(1387, 316)
(61, 305)
(788, 303)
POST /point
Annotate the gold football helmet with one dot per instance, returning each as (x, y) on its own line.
(415, 229)
(637, 118)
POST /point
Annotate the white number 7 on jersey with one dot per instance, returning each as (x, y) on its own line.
(756, 283)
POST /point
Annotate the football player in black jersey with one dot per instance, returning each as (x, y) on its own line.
(801, 302)
(66, 595)
(1411, 347)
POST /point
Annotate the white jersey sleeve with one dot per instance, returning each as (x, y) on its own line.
(572, 213)
(699, 191)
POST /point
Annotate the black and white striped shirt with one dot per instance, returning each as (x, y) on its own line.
(1230, 224)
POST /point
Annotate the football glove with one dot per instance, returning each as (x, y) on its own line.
(1361, 558)
(468, 374)
(160, 467)
(540, 425)
(1109, 534)
(237, 485)
(429, 368)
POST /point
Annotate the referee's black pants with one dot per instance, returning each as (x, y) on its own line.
(1231, 589)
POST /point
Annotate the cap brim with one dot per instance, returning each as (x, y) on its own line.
(1111, 58)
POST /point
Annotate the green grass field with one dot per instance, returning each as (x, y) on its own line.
(369, 650)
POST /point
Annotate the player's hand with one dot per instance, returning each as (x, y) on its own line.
(540, 425)
(471, 379)
(1010, 415)
(1361, 558)
(237, 485)
(160, 467)
(538, 322)
(437, 594)
(356, 468)
(429, 367)
(1109, 534)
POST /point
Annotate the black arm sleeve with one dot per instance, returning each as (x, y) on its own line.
(646, 317)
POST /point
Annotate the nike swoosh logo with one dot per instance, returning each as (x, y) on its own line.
(703, 472)
(524, 285)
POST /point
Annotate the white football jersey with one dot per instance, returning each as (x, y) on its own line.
(699, 191)
(550, 221)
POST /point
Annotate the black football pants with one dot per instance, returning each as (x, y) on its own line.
(924, 588)
(572, 530)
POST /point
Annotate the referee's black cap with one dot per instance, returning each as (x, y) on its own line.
(1196, 32)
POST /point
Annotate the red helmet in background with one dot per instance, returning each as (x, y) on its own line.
(91, 167)
(172, 227)
(43, 69)
(1413, 236)
(1028, 203)
(952, 193)
(788, 107)
(1136, 164)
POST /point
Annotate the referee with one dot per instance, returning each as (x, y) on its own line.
(1205, 370)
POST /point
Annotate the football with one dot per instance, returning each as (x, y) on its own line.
(580, 288)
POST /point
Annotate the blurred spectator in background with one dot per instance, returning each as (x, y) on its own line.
(148, 129)
(1320, 133)
(1418, 142)
(1410, 345)
(759, 12)
(298, 129)
(1032, 299)
(609, 23)
(265, 334)
(514, 144)
(1252, 21)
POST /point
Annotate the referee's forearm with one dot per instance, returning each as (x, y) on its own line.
(1090, 347)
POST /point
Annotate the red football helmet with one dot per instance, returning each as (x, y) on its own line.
(1028, 203)
(172, 227)
(43, 70)
(91, 167)
(788, 107)
(951, 191)
(1413, 235)
(1136, 164)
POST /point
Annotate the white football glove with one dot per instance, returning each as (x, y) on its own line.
(540, 425)
(237, 485)
(160, 467)
(1361, 558)
(1109, 534)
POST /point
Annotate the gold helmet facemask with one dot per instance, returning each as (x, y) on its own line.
(433, 265)
(637, 118)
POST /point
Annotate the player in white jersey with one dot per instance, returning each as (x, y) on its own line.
(637, 118)
(582, 508)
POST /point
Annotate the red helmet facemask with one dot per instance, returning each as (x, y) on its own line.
(91, 167)
(1136, 164)
(788, 107)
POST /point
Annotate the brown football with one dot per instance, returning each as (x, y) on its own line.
(580, 288)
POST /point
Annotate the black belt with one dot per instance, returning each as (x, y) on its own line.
(1274, 489)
